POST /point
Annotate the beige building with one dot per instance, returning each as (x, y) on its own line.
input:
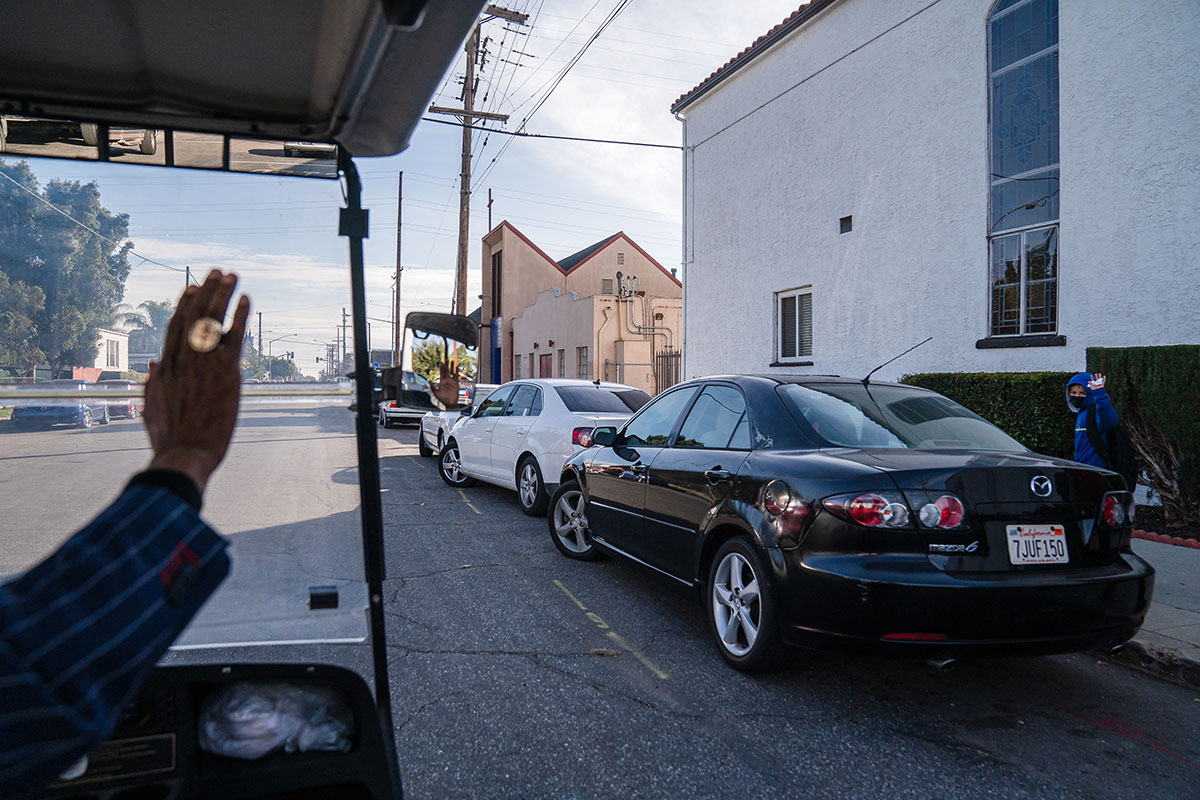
(623, 339)
(611, 311)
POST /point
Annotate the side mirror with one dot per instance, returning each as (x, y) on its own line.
(604, 437)
(466, 411)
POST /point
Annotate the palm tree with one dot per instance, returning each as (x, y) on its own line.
(149, 321)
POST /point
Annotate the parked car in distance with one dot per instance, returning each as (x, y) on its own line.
(527, 429)
(126, 407)
(436, 425)
(62, 412)
(313, 149)
(413, 400)
(881, 518)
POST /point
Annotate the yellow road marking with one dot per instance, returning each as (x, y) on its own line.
(599, 622)
(468, 502)
(567, 591)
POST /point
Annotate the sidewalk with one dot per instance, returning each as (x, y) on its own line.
(1169, 642)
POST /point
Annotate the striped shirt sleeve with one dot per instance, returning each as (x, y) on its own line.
(80, 631)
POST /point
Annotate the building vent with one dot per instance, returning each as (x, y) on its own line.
(606, 286)
(620, 259)
(846, 224)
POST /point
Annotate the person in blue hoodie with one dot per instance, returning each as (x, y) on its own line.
(1084, 391)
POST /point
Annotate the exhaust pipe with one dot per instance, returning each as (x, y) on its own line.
(942, 665)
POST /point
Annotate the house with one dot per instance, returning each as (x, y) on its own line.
(1017, 179)
(521, 282)
(112, 351)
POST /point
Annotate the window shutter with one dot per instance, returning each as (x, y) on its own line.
(606, 286)
(787, 327)
(805, 314)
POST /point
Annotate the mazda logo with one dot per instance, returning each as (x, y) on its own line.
(1041, 486)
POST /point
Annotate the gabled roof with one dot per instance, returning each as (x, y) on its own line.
(763, 43)
(571, 262)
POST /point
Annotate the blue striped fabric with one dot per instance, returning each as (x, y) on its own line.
(80, 631)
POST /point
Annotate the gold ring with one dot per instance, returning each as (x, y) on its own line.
(204, 335)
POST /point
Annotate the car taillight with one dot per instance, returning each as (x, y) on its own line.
(582, 437)
(393, 404)
(937, 510)
(1116, 510)
(872, 509)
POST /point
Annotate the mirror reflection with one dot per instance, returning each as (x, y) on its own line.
(437, 371)
(51, 138)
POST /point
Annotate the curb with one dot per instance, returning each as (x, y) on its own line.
(1160, 663)
(1158, 537)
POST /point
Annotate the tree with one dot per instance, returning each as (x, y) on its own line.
(427, 359)
(20, 304)
(148, 322)
(81, 274)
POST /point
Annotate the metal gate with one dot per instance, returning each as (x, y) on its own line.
(666, 369)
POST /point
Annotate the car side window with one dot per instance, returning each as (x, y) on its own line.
(653, 425)
(522, 401)
(536, 408)
(495, 402)
(716, 416)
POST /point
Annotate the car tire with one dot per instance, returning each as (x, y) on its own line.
(104, 420)
(90, 133)
(149, 145)
(531, 489)
(746, 630)
(422, 447)
(450, 467)
(568, 523)
(86, 420)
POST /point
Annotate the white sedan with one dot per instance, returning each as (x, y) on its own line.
(524, 432)
(436, 425)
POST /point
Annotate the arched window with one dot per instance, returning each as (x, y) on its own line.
(1023, 219)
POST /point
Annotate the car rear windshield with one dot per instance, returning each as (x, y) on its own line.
(853, 415)
(588, 399)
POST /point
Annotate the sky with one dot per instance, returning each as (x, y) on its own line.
(280, 234)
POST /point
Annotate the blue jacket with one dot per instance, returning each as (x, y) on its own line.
(80, 631)
(1106, 420)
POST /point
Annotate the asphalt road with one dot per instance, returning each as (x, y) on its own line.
(519, 673)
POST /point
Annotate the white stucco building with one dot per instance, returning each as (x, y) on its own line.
(1018, 179)
(112, 351)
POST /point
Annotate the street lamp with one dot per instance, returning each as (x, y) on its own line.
(270, 351)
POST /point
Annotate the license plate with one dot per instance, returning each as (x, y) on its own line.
(1037, 544)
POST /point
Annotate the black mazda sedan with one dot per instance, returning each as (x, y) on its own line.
(828, 512)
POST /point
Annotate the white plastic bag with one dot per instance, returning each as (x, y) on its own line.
(250, 720)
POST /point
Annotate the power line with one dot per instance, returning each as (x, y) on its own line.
(551, 136)
(558, 79)
(89, 229)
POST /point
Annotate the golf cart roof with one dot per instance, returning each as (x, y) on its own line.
(355, 72)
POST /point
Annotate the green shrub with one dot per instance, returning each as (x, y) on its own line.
(1028, 406)
(1154, 390)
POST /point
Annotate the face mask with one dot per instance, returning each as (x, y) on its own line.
(1078, 401)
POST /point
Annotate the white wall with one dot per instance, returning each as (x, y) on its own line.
(880, 111)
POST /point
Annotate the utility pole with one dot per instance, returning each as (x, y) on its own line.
(187, 275)
(399, 270)
(489, 209)
(260, 333)
(468, 115)
(343, 337)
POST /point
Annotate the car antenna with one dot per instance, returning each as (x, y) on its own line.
(866, 380)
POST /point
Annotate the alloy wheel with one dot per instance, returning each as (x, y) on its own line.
(451, 464)
(570, 522)
(528, 485)
(736, 604)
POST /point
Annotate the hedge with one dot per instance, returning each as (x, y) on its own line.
(1031, 407)
(1154, 390)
